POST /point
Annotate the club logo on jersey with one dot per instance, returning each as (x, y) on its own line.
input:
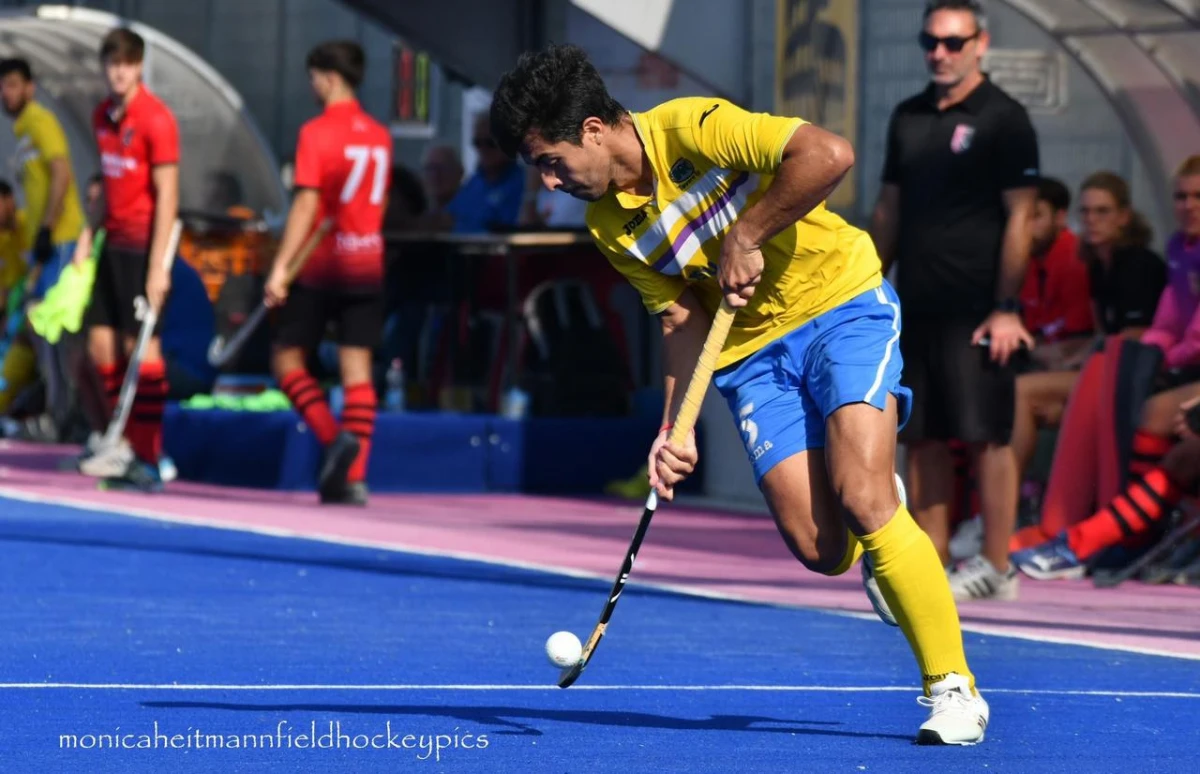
(962, 138)
(127, 137)
(637, 220)
(682, 172)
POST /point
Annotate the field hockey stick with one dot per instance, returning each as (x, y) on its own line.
(149, 318)
(1159, 551)
(221, 352)
(685, 420)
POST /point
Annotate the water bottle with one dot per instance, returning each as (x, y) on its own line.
(394, 396)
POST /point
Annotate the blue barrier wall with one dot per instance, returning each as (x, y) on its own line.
(416, 452)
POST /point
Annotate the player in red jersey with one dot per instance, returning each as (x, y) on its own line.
(343, 170)
(139, 156)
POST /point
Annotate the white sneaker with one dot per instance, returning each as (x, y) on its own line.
(955, 715)
(968, 539)
(976, 578)
(110, 462)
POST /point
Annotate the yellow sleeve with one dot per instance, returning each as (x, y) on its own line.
(49, 138)
(658, 291)
(733, 138)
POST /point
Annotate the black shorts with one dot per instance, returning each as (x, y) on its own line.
(357, 318)
(120, 283)
(959, 393)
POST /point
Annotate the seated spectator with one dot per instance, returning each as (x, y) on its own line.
(1089, 465)
(491, 198)
(1125, 279)
(1129, 515)
(1056, 303)
(406, 202)
(442, 173)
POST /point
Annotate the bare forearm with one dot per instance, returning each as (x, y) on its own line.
(60, 180)
(685, 327)
(884, 234)
(1018, 239)
(299, 224)
(813, 164)
(166, 211)
(1014, 259)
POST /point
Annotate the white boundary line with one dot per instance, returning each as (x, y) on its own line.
(484, 688)
(279, 532)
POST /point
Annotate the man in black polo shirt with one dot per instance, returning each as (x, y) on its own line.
(959, 187)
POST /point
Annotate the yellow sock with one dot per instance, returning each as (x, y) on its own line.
(854, 550)
(914, 584)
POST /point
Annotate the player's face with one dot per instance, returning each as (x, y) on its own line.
(15, 92)
(1045, 223)
(953, 46)
(321, 83)
(1187, 204)
(1103, 218)
(122, 77)
(583, 171)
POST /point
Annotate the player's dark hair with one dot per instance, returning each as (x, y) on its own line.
(6, 188)
(344, 57)
(972, 7)
(123, 45)
(553, 92)
(1137, 233)
(16, 65)
(1054, 192)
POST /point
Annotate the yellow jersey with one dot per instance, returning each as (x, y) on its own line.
(711, 161)
(12, 253)
(40, 140)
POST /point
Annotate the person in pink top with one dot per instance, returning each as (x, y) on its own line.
(1164, 469)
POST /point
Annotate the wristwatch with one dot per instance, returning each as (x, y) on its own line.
(1010, 305)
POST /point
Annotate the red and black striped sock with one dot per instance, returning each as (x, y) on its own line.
(111, 377)
(359, 419)
(309, 401)
(1147, 452)
(1143, 503)
(149, 402)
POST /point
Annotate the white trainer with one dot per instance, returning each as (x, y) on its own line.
(968, 539)
(956, 716)
(976, 578)
(109, 462)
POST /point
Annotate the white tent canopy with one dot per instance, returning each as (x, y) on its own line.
(218, 139)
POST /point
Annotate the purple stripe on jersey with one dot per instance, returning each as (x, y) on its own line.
(704, 217)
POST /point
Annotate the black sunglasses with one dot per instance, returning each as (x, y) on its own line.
(953, 43)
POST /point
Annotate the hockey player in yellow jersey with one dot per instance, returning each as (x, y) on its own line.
(697, 200)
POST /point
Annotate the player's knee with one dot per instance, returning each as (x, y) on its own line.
(869, 506)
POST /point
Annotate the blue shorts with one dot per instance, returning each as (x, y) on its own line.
(781, 395)
(63, 253)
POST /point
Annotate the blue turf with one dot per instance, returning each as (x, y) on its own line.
(99, 598)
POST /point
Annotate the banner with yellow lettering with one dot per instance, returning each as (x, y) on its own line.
(816, 72)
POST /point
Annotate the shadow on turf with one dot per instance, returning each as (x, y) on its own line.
(383, 562)
(503, 717)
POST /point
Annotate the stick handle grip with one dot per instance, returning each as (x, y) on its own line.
(689, 411)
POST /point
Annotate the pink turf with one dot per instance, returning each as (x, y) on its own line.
(709, 551)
